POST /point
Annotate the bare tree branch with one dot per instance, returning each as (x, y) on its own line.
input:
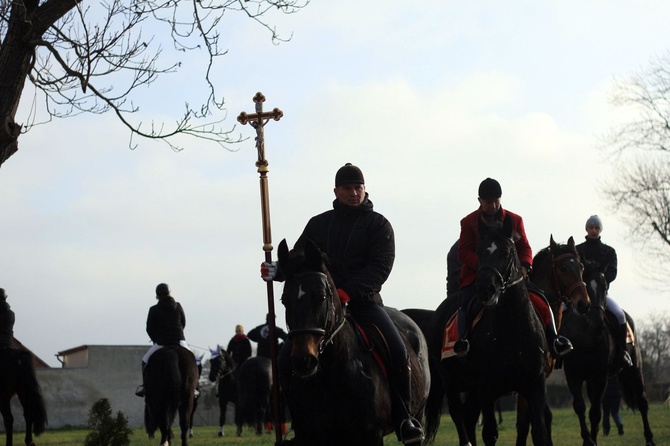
(93, 57)
(639, 189)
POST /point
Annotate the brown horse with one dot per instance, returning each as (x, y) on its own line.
(336, 390)
(18, 377)
(559, 271)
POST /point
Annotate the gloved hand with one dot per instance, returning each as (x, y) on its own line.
(268, 271)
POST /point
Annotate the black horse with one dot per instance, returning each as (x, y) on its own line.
(254, 384)
(222, 373)
(593, 362)
(18, 377)
(336, 390)
(170, 379)
(508, 348)
(557, 272)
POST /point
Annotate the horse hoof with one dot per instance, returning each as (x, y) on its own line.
(221, 434)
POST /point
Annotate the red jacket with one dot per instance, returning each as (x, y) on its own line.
(469, 242)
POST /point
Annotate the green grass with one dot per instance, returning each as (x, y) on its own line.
(565, 432)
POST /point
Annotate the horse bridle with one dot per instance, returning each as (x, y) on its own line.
(579, 284)
(333, 326)
(505, 283)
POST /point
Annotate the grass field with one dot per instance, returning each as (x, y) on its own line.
(565, 433)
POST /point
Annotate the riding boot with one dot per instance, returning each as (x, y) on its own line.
(462, 346)
(620, 339)
(407, 428)
(140, 389)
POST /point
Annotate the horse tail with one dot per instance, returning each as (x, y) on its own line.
(631, 379)
(434, 403)
(30, 393)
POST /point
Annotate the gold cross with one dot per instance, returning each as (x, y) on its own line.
(258, 120)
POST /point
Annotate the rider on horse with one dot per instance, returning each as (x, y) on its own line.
(597, 256)
(165, 325)
(6, 321)
(491, 212)
(360, 246)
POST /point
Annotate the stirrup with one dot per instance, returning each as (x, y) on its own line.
(140, 391)
(461, 347)
(562, 346)
(415, 432)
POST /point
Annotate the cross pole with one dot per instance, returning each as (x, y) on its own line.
(257, 121)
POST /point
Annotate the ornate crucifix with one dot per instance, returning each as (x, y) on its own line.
(257, 121)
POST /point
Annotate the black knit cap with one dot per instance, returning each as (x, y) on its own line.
(162, 289)
(349, 174)
(489, 189)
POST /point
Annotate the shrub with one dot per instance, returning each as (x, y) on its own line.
(107, 431)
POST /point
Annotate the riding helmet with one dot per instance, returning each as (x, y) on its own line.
(349, 174)
(489, 189)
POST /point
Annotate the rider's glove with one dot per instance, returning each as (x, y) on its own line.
(268, 271)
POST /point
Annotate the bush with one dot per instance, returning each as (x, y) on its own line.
(107, 431)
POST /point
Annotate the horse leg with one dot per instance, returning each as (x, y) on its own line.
(489, 424)
(536, 397)
(595, 393)
(184, 419)
(522, 421)
(579, 406)
(223, 406)
(457, 414)
(548, 420)
(6, 411)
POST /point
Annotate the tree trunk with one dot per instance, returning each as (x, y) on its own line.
(25, 27)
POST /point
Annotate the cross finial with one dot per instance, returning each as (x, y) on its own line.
(258, 120)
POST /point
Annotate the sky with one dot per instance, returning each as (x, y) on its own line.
(427, 100)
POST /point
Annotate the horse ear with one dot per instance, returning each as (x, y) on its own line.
(313, 255)
(552, 243)
(282, 251)
(571, 242)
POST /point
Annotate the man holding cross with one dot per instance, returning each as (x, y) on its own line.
(360, 245)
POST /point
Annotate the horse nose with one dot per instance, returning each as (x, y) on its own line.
(305, 365)
(583, 307)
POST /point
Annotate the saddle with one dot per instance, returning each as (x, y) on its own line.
(371, 337)
(450, 337)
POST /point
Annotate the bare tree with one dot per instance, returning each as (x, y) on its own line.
(654, 339)
(639, 190)
(84, 57)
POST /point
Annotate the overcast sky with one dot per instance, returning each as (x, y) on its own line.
(427, 100)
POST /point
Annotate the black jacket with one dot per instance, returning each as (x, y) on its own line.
(597, 256)
(6, 325)
(261, 335)
(166, 322)
(360, 246)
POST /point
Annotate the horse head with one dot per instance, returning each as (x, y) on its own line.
(567, 275)
(220, 364)
(499, 267)
(597, 289)
(313, 313)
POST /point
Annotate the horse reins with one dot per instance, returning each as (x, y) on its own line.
(328, 332)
